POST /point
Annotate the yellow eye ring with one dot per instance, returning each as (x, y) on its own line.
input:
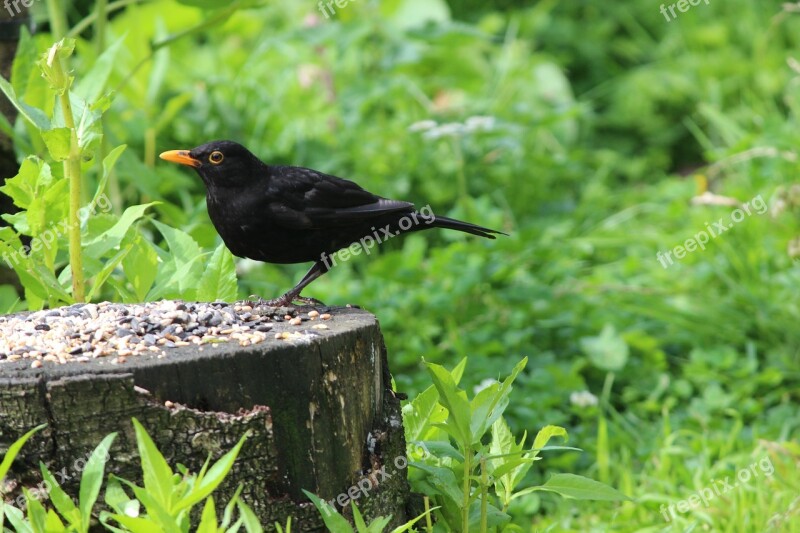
(216, 157)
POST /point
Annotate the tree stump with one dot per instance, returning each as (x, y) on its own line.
(318, 406)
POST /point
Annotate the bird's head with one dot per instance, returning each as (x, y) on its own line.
(221, 164)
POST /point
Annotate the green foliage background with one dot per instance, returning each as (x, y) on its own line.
(608, 121)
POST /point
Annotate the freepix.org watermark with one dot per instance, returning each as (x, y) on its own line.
(8, 4)
(757, 205)
(682, 5)
(380, 235)
(49, 236)
(369, 483)
(718, 487)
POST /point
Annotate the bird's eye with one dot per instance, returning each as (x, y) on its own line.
(216, 157)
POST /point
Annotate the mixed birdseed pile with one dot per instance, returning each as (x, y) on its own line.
(82, 332)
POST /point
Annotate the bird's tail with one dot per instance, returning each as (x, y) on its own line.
(466, 227)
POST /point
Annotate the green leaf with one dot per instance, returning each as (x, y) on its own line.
(581, 488)
(58, 141)
(608, 351)
(110, 239)
(490, 403)
(52, 65)
(37, 516)
(455, 400)
(219, 278)
(444, 480)
(141, 266)
(109, 163)
(251, 522)
(61, 501)
(155, 470)
(547, 433)
(14, 449)
(35, 116)
(17, 519)
(92, 478)
(216, 474)
(420, 413)
(208, 520)
(93, 83)
(335, 522)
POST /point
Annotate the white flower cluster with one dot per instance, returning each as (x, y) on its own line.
(583, 399)
(434, 130)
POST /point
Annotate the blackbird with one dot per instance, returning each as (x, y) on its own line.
(284, 214)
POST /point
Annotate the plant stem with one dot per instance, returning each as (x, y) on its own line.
(72, 172)
(81, 26)
(58, 19)
(467, 484)
(484, 495)
(428, 520)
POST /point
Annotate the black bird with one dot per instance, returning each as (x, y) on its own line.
(283, 214)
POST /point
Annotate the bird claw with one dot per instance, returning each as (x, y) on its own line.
(287, 300)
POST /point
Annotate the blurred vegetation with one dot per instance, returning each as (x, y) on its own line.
(608, 120)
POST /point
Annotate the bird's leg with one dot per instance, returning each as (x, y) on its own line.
(318, 269)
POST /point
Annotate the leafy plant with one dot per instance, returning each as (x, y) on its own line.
(336, 523)
(167, 497)
(474, 482)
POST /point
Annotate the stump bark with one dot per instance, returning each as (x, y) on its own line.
(319, 408)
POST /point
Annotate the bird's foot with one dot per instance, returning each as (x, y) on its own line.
(287, 300)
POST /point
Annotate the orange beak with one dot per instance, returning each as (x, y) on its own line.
(181, 157)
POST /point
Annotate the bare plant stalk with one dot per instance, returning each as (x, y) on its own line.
(72, 171)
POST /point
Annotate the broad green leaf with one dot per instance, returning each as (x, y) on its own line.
(219, 277)
(35, 116)
(141, 266)
(455, 400)
(58, 141)
(110, 239)
(92, 477)
(494, 516)
(444, 480)
(421, 412)
(581, 488)
(155, 470)
(490, 403)
(101, 277)
(14, 449)
(24, 62)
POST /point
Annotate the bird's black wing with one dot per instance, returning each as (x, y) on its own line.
(305, 198)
